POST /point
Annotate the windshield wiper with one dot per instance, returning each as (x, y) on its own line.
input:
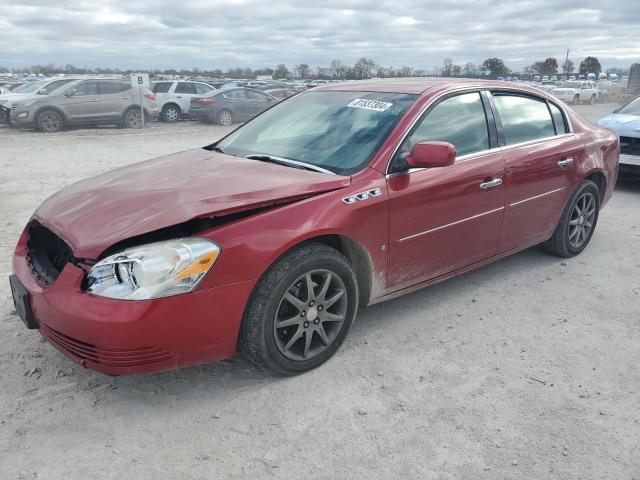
(287, 162)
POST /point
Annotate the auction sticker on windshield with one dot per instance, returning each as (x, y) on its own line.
(374, 105)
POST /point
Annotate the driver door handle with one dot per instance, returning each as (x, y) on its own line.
(490, 184)
(565, 162)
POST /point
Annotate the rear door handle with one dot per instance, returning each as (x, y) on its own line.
(126, 98)
(490, 184)
(565, 162)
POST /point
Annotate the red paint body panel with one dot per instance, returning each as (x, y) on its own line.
(93, 214)
(186, 329)
(536, 189)
(425, 226)
(427, 236)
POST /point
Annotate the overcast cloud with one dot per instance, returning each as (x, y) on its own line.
(260, 33)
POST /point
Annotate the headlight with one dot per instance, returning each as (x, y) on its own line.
(26, 104)
(154, 270)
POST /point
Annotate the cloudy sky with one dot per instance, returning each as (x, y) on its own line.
(258, 33)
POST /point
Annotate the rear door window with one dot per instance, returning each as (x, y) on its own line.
(108, 88)
(237, 94)
(523, 118)
(253, 95)
(161, 87)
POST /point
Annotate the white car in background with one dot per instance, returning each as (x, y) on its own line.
(174, 97)
(29, 90)
(576, 92)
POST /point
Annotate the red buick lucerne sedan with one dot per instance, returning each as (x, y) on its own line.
(266, 242)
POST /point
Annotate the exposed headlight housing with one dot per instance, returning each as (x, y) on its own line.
(154, 270)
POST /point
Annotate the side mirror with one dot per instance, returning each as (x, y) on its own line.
(70, 92)
(431, 154)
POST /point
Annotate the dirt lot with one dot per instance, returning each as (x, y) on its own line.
(526, 369)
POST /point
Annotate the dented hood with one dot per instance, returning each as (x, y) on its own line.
(98, 212)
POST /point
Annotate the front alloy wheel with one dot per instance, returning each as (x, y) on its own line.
(310, 314)
(50, 121)
(300, 311)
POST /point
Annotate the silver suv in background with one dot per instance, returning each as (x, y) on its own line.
(34, 90)
(174, 97)
(86, 102)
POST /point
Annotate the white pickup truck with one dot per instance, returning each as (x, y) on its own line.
(576, 92)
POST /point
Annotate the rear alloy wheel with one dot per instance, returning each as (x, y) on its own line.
(50, 121)
(171, 113)
(300, 311)
(225, 118)
(577, 223)
(133, 118)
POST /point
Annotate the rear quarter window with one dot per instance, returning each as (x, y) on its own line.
(559, 121)
(161, 87)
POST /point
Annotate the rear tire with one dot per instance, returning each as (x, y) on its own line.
(225, 118)
(171, 113)
(300, 311)
(133, 118)
(577, 222)
(592, 99)
(50, 121)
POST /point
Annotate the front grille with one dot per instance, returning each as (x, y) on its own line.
(630, 145)
(112, 357)
(47, 253)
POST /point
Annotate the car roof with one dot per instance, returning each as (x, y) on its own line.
(418, 86)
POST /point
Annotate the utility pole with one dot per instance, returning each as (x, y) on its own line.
(566, 63)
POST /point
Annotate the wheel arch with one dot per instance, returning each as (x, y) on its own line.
(598, 177)
(357, 255)
(169, 104)
(50, 107)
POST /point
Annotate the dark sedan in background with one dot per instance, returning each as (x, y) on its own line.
(231, 105)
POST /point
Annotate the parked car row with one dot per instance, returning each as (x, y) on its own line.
(50, 105)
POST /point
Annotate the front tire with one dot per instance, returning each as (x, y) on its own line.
(577, 223)
(50, 121)
(300, 311)
(576, 100)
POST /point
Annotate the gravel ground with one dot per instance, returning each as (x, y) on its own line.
(524, 369)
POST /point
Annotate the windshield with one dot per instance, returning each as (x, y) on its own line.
(572, 84)
(631, 108)
(337, 131)
(29, 87)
